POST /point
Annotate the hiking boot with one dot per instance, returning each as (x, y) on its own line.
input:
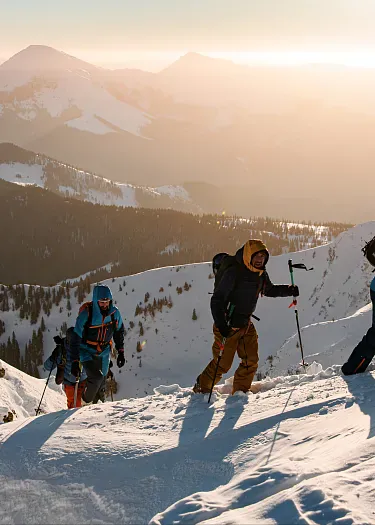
(100, 396)
(197, 387)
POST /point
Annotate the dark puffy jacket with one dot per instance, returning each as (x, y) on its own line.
(69, 378)
(240, 286)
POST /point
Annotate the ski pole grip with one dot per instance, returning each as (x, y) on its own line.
(290, 264)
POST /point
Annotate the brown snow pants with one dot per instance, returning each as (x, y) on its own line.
(244, 341)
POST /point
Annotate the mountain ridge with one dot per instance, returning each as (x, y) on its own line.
(236, 131)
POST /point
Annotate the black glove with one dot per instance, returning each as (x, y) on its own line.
(294, 291)
(75, 369)
(120, 358)
(224, 330)
(55, 354)
(110, 364)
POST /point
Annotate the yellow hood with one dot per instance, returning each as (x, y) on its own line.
(253, 246)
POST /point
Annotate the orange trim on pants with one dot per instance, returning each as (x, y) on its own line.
(69, 392)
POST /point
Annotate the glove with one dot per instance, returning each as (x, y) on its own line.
(58, 340)
(294, 291)
(75, 369)
(55, 354)
(224, 330)
(120, 358)
(110, 364)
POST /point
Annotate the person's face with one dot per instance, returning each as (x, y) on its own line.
(259, 260)
(104, 304)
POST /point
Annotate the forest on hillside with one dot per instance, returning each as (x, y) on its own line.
(48, 238)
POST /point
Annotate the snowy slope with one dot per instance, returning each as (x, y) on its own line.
(40, 80)
(298, 451)
(176, 348)
(22, 393)
(71, 182)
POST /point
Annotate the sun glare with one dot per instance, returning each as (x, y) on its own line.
(363, 59)
(157, 60)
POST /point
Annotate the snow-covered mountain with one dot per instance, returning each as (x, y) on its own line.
(24, 167)
(50, 82)
(298, 451)
(203, 120)
(334, 296)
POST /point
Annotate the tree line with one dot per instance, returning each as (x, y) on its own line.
(49, 238)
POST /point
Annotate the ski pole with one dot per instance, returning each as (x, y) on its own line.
(41, 399)
(76, 392)
(294, 303)
(230, 311)
(110, 389)
(223, 341)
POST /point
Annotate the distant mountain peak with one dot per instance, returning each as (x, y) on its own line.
(197, 61)
(40, 57)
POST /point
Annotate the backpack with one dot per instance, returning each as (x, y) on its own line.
(220, 263)
(369, 251)
(59, 378)
(88, 306)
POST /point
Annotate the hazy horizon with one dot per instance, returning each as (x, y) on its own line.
(155, 61)
(151, 35)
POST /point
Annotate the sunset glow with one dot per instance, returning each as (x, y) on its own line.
(157, 60)
(364, 59)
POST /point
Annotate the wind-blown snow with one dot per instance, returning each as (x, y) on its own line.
(300, 452)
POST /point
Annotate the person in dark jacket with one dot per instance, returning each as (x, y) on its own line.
(61, 358)
(96, 324)
(236, 294)
(364, 352)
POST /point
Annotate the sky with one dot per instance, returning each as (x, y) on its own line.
(153, 33)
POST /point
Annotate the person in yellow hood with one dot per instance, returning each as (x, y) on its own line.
(239, 282)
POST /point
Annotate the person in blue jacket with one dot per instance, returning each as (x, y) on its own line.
(61, 358)
(97, 323)
(364, 352)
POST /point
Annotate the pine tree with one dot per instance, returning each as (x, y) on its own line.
(15, 352)
(194, 316)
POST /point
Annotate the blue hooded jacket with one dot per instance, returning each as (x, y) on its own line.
(85, 341)
(69, 378)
